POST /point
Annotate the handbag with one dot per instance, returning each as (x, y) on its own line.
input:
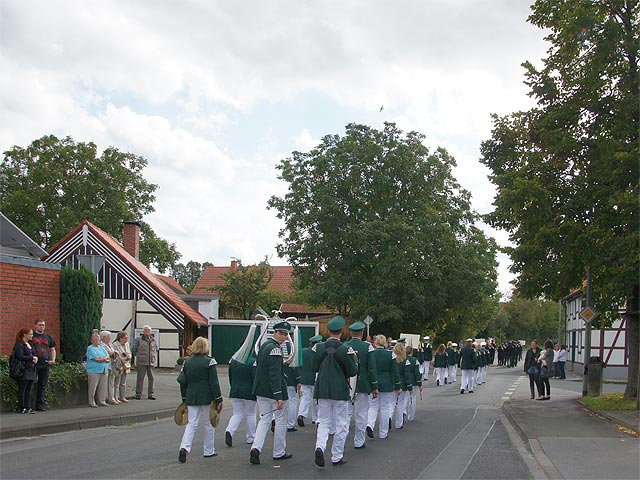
(16, 367)
(545, 372)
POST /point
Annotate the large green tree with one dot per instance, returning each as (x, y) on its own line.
(375, 224)
(245, 286)
(49, 187)
(567, 170)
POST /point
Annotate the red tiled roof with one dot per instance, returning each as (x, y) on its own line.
(158, 285)
(212, 278)
(172, 283)
(304, 309)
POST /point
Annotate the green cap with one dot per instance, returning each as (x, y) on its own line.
(357, 326)
(284, 326)
(336, 324)
(316, 339)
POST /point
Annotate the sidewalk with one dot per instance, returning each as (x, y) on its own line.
(569, 440)
(56, 420)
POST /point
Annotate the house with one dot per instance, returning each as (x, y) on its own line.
(610, 344)
(30, 287)
(133, 296)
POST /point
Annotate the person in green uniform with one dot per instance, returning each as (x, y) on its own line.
(427, 355)
(243, 401)
(388, 388)
(415, 377)
(270, 389)
(308, 381)
(467, 362)
(451, 361)
(367, 382)
(335, 363)
(292, 377)
(404, 371)
(440, 365)
(199, 386)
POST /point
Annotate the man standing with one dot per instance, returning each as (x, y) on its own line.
(308, 380)
(145, 353)
(270, 389)
(335, 363)
(44, 347)
(427, 353)
(367, 382)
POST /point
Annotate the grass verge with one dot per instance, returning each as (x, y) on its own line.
(609, 401)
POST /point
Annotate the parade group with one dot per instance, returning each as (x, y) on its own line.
(373, 380)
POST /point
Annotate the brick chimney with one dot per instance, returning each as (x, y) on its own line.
(132, 239)
(234, 264)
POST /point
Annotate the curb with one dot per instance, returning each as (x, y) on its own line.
(620, 424)
(115, 421)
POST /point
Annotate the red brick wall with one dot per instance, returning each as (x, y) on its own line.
(27, 293)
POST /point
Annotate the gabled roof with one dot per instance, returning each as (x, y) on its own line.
(14, 241)
(212, 278)
(172, 284)
(152, 289)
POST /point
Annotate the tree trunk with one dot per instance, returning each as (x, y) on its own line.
(633, 344)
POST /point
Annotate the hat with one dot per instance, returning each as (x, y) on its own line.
(454, 344)
(181, 416)
(357, 327)
(427, 337)
(482, 344)
(469, 340)
(402, 340)
(283, 326)
(336, 324)
(214, 416)
(316, 338)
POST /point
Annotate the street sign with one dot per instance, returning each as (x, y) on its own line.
(368, 320)
(588, 314)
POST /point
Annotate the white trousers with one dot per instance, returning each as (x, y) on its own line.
(265, 407)
(452, 372)
(400, 408)
(197, 412)
(306, 399)
(441, 373)
(466, 383)
(242, 407)
(339, 411)
(412, 404)
(382, 405)
(425, 369)
(359, 408)
(292, 393)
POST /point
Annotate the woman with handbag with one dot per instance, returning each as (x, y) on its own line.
(24, 353)
(531, 368)
(121, 366)
(545, 362)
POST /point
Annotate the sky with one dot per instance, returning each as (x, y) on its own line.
(214, 94)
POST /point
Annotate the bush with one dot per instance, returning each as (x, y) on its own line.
(63, 377)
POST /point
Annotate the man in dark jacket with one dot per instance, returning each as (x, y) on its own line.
(468, 362)
(308, 381)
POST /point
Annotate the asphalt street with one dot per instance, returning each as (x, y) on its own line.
(453, 436)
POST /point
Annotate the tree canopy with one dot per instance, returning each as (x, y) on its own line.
(52, 185)
(567, 170)
(375, 224)
(245, 286)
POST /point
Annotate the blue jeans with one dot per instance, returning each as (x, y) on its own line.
(560, 370)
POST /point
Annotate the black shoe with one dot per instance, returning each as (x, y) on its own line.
(462, 391)
(182, 456)
(364, 445)
(437, 383)
(254, 456)
(342, 461)
(319, 457)
(389, 424)
(445, 381)
(30, 411)
(369, 432)
(228, 440)
(212, 455)
(138, 397)
(284, 457)
(292, 429)
(273, 426)
(300, 421)
(151, 397)
(470, 391)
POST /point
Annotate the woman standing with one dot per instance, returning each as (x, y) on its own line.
(24, 353)
(199, 387)
(562, 359)
(545, 363)
(440, 365)
(404, 367)
(531, 368)
(97, 372)
(123, 351)
(105, 342)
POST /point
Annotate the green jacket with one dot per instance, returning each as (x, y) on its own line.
(452, 356)
(199, 381)
(440, 360)
(414, 372)
(269, 381)
(291, 375)
(335, 363)
(468, 359)
(367, 372)
(387, 368)
(405, 371)
(427, 352)
(241, 380)
(307, 375)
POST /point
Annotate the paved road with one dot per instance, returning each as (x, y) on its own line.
(454, 436)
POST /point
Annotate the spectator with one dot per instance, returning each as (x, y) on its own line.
(105, 342)
(45, 349)
(145, 353)
(545, 363)
(555, 361)
(199, 387)
(122, 366)
(24, 353)
(531, 368)
(562, 359)
(97, 372)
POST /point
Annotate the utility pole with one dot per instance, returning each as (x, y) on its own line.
(587, 340)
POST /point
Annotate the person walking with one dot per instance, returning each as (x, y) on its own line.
(270, 389)
(145, 353)
(415, 377)
(292, 377)
(467, 362)
(427, 354)
(388, 388)
(199, 388)
(440, 364)
(44, 347)
(532, 369)
(308, 381)
(405, 373)
(367, 383)
(243, 401)
(24, 352)
(335, 363)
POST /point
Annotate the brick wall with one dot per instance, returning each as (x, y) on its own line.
(26, 293)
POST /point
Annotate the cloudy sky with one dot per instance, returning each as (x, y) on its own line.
(215, 93)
